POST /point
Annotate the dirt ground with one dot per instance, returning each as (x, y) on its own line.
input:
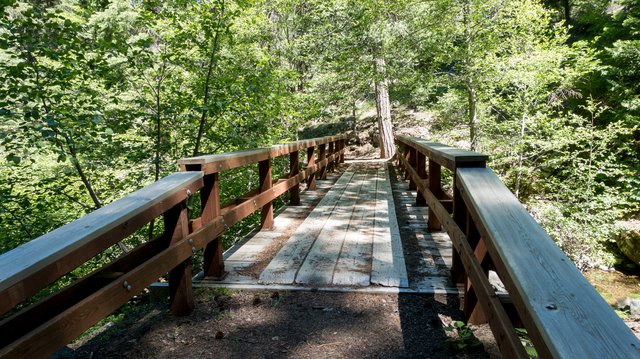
(249, 324)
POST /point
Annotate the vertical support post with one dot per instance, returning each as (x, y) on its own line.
(412, 163)
(460, 217)
(266, 214)
(435, 186)
(332, 150)
(213, 266)
(421, 163)
(180, 290)
(311, 161)
(322, 155)
(407, 155)
(343, 145)
(294, 170)
(473, 312)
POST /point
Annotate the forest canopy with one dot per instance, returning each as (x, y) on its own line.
(98, 98)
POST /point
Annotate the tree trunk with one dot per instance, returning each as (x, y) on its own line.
(473, 115)
(567, 11)
(205, 100)
(520, 155)
(472, 94)
(383, 107)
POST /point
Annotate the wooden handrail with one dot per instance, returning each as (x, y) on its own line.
(30, 267)
(40, 329)
(489, 228)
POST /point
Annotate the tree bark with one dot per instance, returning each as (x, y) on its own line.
(383, 108)
(472, 95)
(567, 11)
(205, 100)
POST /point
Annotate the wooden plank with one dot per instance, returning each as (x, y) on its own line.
(322, 155)
(59, 330)
(499, 321)
(294, 169)
(387, 267)
(435, 186)
(228, 160)
(449, 157)
(565, 316)
(28, 268)
(319, 264)
(354, 265)
(284, 266)
(266, 212)
(311, 161)
(180, 291)
(213, 263)
(21, 323)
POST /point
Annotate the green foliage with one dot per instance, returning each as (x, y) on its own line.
(464, 339)
(99, 99)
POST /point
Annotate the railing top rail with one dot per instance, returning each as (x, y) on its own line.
(228, 160)
(45, 252)
(449, 157)
(571, 318)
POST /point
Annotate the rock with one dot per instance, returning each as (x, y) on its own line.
(628, 240)
(634, 307)
(630, 304)
(219, 335)
(496, 283)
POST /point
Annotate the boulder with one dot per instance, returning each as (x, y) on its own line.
(628, 241)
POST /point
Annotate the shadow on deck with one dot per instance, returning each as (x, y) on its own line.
(359, 231)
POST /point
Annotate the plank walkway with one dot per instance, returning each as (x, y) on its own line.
(352, 234)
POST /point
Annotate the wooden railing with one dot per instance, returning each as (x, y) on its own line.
(40, 329)
(563, 314)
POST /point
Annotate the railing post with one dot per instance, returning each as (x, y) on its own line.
(435, 186)
(412, 163)
(294, 170)
(343, 145)
(311, 160)
(331, 152)
(266, 214)
(460, 215)
(213, 262)
(407, 155)
(421, 162)
(322, 155)
(176, 223)
(473, 313)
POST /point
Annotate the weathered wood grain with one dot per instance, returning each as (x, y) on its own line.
(449, 157)
(284, 266)
(225, 161)
(564, 315)
(321, 260)
(499, 321)
(354, 265)
(387, 267)
(61, 250)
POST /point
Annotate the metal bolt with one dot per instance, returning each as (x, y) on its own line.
(190, 241)
(552, 306)
(126, 285)
(188, 192)
(193, 249)
(255, 203)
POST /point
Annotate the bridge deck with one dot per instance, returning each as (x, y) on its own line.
(360, 230)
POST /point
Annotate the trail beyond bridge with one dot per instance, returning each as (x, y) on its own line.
(435, 220)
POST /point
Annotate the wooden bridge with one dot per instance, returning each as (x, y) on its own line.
(343, 234)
